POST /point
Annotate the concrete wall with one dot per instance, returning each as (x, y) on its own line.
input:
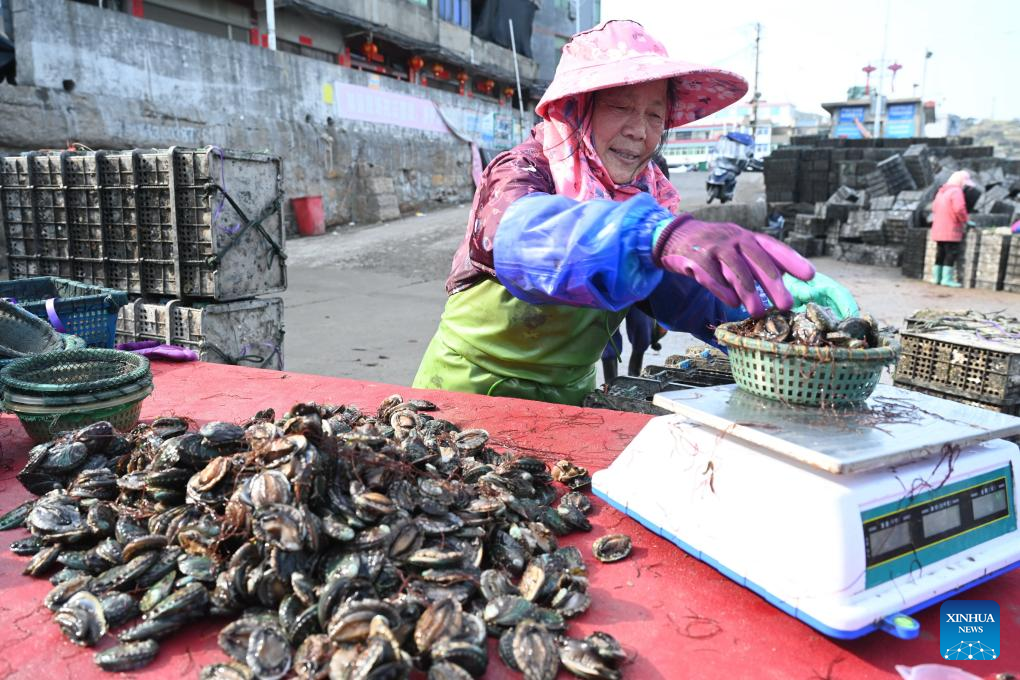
(139, 83)
(554, 23)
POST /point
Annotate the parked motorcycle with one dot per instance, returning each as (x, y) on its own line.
(734, 154)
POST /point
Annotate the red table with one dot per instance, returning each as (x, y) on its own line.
(678, 617)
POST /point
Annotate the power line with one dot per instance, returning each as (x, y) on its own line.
(738, 52)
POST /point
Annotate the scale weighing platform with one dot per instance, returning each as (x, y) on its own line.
(847, 519)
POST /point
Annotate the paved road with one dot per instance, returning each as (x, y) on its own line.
(363, 302)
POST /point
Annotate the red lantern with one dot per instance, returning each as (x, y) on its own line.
(416, 63)
(485, 86)
(462, 77)
(508, 92)
(439, 71)
(370, 50)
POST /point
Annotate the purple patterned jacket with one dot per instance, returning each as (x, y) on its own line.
(511, 175)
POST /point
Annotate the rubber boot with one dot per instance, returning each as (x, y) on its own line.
(949, 277)
(936, 274)
(637, 361)
(609, 369)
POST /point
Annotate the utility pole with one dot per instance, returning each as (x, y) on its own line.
(271, 24)
(876, 129)
(756, 95)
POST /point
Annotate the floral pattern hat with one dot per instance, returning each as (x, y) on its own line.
(618, 52)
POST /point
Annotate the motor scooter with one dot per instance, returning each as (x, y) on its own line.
(734, 154)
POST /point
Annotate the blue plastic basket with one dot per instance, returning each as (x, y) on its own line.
(90, 312)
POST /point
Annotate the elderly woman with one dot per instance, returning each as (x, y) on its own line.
(949, 220)
(574, 226)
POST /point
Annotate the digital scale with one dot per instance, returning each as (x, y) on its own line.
(849, 520)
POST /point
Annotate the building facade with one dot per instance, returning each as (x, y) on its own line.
(693, 145)
(358, 96)
(899, 118)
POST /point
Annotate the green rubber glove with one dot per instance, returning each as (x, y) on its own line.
(821, 290)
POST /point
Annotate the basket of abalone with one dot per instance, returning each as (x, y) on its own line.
(809, 358)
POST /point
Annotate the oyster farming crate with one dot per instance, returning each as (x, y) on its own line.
(991, 261)
(185, 223)
(1011, 277)
(243, 333)
(962, 363)
(1008, 409)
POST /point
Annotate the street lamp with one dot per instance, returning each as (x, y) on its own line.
(924, 70)
(894, 67)
(867, 81)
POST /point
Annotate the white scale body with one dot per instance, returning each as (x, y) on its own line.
(847, 526)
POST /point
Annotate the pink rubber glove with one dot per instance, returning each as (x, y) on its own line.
(728, 260)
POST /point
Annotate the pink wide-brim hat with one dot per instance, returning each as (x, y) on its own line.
(617, 53)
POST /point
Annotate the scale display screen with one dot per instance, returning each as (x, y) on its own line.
(935, 519)
(940, 521)
(989, 504)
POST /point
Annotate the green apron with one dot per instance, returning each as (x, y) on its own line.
(489, 342)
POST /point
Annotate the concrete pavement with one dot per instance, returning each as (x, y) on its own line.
(363, 302)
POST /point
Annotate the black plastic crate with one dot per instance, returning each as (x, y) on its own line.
(627, 393)
(695, 376)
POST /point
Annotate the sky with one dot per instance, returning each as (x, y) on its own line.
(811, 52)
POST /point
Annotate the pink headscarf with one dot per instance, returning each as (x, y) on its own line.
(960, 178)
(577, 170)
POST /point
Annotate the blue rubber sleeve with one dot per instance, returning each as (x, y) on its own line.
(680, 303)
(555, 250)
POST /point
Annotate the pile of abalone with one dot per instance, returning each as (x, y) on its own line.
(335, 543)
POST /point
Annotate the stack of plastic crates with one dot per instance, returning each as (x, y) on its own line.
(1011, 277)
(184, 223)
(700, 366)
(242, 333)
(194, 236)
(633, 394)
(968, 357)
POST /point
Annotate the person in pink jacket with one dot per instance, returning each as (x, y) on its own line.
(949, 219)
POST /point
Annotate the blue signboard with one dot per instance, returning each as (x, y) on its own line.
(845, 126)
(900, 121)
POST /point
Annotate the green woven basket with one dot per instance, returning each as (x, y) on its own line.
(78, 400)
(796, 374)
(43, 423)
(76, 371)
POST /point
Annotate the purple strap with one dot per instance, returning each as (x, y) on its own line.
(51, 312)
(231, 230)
(155, 350)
